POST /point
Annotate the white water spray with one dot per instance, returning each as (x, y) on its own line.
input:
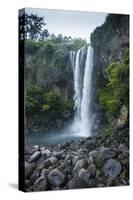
(86, 95)
(77, 96)
(82, 98)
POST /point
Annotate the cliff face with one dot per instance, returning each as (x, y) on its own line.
(48, 85)
(110, 43)
(47, 73)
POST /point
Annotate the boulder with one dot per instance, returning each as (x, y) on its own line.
(75, 159)
(44, 172)
(92, 170)
(93, 153)
(90, 144)
(112, 168)
(84, 175)
(57, 154)
(123, 117)
(29, 168)
(65, 145)
(27, 183)
(46, 153)
(123, 147)
(52, 160)
(47, 163)
(107, 153)
(35, 156)
(56, 178)
(90, 160)
(40, 184)
(124, 158)
(79, 164)
(35, 175)
(35, 148)
(76, 183)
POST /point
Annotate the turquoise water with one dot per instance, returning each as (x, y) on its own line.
(50, 138)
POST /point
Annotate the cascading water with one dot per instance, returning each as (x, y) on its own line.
(82, 98)
(72, 58)
(77, 96)
(86, 95)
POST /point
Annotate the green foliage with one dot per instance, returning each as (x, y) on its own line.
(115, 94)
(78, 43)
(32, 27)
(31, 47)
(69, 104)
(50, 104)
(31, 104)
(49, 49)
(61, 57)
(54, 101)
(108, 130)
(45, 107)
(33, 98)
(108, 101)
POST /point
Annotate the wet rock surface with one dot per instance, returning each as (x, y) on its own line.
(90, 162)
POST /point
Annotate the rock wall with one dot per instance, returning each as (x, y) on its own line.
(47, 70)
(109, 43)
(49, 74)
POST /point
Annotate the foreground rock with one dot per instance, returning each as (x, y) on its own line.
(35, 156)
(56, 178)
(112, 168)
(90, 162)
(40, 184)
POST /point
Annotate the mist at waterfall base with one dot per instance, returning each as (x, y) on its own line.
(80, 127)
(52, 137)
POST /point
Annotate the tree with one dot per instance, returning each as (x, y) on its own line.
(60, 38)
(31, 26)
(44, 34)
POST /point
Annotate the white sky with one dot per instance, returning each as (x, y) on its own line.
(70, 23)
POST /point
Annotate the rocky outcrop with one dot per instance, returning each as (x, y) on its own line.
(110, 43)
(79, 164)
(46, 72)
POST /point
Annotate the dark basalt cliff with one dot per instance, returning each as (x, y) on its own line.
(49, 86)
(110, 44)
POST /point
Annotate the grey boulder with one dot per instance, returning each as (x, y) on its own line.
(35, 156)
(79, 164)
(107, 153)
(84, 175)
(56, 178)
(92, 170)
(112, 168)
(29, 168)
(40, 184)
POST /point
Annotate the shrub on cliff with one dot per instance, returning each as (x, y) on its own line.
(33, 98)
(115, 94)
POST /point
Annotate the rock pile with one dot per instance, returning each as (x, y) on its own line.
(90, 162)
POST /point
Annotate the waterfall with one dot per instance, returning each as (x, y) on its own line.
(86, 95)
(72, 59)
(82, 91)
(77, 96)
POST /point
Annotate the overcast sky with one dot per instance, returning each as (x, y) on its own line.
(70, 23)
